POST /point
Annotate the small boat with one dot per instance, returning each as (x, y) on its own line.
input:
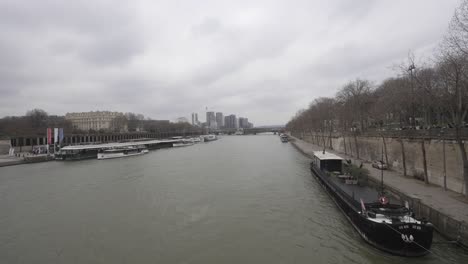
(210, 137)
(386, 225)
(122, 152)
(284, 138)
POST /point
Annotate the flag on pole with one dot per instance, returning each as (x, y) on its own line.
(49, 135)
(60, 135)
(55, 135)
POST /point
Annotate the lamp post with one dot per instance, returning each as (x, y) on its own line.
(443, 158)
(413, 121)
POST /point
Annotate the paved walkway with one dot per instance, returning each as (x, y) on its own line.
(447, 202)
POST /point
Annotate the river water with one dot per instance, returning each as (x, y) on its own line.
(241, 199)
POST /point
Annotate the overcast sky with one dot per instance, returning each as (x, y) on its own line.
(164, 59)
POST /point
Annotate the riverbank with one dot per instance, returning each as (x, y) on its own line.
(6, 160)
(447, 210)
(23, 158)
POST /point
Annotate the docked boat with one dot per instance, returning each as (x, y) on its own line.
(196, 139)
(183, 143)
(284, 138)
(209, 137)
(384, 224)
(122, 152)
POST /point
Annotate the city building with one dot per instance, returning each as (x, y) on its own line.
(243, 122)
(211, 120)
(99, 120)
(230, 122)
(219, 119)
(195, 121)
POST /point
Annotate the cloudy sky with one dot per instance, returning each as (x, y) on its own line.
(165, 59)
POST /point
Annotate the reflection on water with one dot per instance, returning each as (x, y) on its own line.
(241, 199)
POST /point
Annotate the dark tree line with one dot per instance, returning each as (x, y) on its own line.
(36, 121)
(434, 95)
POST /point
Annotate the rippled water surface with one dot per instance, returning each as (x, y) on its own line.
(241, 199)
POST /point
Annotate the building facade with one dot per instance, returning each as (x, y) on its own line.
(230, 121)
(244, 123)
(99, 120)
(195, 121)
(211, 120)
(220, 119)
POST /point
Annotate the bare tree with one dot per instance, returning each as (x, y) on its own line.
(355, 96)
(37, 117)
(119, 123)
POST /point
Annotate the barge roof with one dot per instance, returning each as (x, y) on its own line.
(326, 156)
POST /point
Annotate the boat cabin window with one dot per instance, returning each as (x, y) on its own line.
(331, 165)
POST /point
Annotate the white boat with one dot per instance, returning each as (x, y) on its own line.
(284, 138)
(183, 143)
(122, 152)
(196, 139)
(210, 137)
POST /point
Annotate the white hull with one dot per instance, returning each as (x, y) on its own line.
(210, 138)
(120, 154)
(176, 145)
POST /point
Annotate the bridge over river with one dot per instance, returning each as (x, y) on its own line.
(251, 131)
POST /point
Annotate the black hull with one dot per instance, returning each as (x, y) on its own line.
(391, 238)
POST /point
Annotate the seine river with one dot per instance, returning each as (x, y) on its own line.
(241, 199)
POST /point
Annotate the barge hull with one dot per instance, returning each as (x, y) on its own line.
(386, 237)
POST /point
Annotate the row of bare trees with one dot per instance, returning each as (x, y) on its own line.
(429, 95)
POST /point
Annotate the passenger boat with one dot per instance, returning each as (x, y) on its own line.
(122, 152)
(386, 225)
(284, 138)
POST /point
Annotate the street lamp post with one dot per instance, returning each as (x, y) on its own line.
(413, 121)
(443, 159)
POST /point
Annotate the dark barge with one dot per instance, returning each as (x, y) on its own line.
(388, 226)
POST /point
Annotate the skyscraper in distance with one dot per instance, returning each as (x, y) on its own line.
(219, 119)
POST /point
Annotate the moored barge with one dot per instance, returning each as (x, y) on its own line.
(388, 226)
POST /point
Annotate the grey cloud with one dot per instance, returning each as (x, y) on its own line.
(207, 27)
(113, 49)
(262, 60)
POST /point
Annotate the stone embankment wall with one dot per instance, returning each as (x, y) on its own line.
(4, 146)
(370, 148)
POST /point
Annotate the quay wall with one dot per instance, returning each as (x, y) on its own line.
(369, 148)
(4, 146)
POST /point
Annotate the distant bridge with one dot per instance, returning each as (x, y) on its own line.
(252, 131)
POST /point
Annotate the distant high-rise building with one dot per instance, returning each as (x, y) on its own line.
(195, 121)
(230, 121)
(219, 119)
(243, 122)
(211, 120)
